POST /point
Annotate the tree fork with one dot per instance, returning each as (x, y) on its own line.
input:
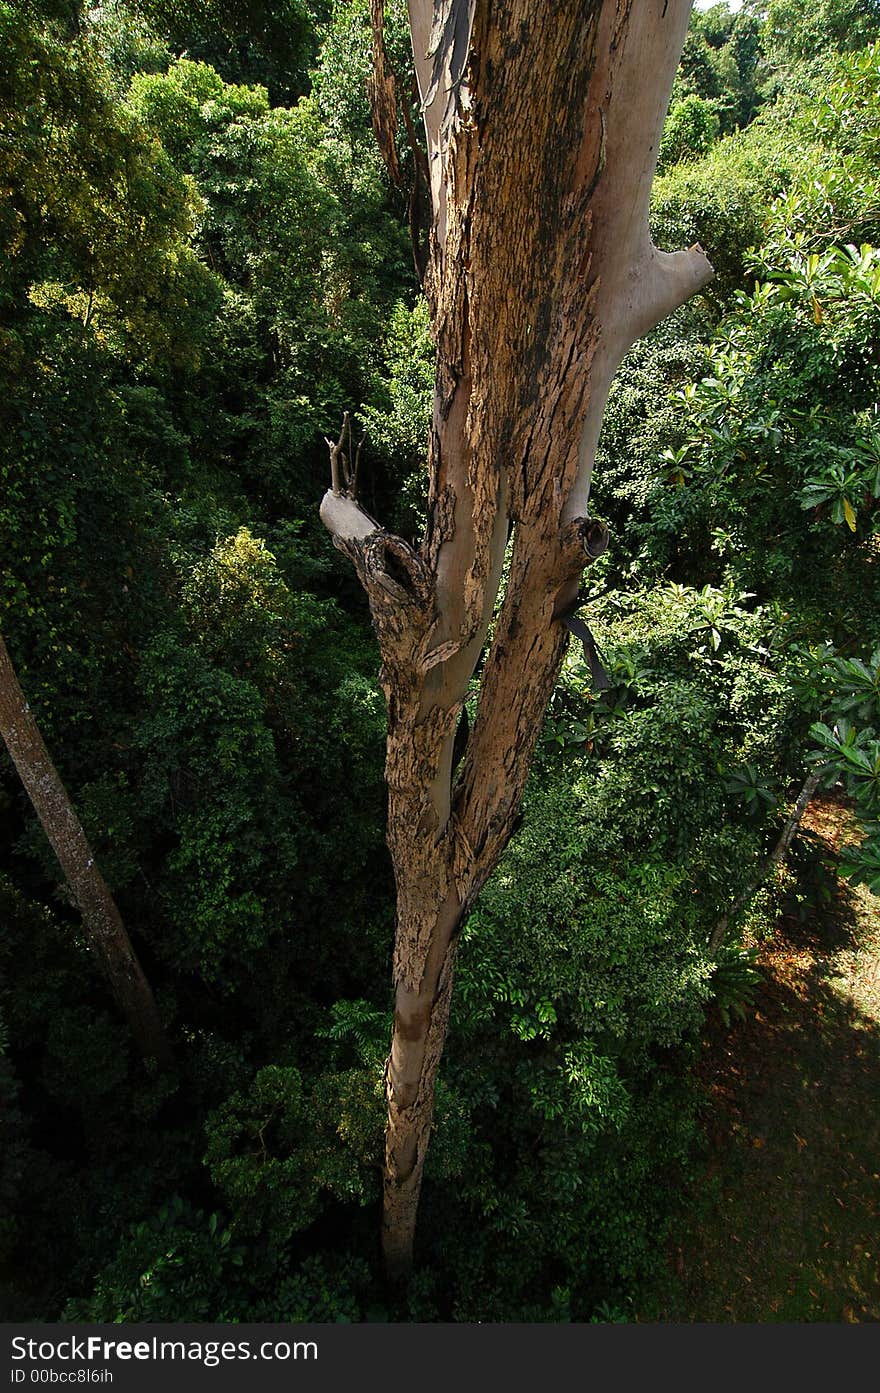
(105, 930)
(542, 274)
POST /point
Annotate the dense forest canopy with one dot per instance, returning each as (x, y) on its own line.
(204, 265)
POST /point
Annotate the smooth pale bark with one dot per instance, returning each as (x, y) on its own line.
(106, 932)
(542, 123)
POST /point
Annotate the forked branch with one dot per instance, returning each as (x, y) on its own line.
(344, 464)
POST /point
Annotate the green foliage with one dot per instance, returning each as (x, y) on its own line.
(837, 199)
(204, 265)
(735, 981)
(97, 223)
(189, 101)
(720, 64)
(359, 1023)
(723, 199)
(205, 726)
(585, 973)
(269, 40)
(747, 784)
(297, 220)
(397, 430)
(850, 753)
(844, 116)
(794, 32)
(185, 1265)
(128, 43)
(640, 420)
(270, 1149)
(181, 1260)
(691, 129)
(781, 428)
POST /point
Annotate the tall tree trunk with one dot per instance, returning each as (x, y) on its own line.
(543, 123)
(104, 927)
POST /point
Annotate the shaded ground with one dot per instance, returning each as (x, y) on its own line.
(784, 1221)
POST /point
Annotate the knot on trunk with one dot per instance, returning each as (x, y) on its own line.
(583, 540)
(392, 568)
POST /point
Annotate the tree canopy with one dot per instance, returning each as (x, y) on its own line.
(204, 262)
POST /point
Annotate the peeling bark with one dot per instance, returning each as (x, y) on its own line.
(383, 95)
(106, 932)
(543, 123)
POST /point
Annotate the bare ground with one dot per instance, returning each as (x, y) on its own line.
(783, 1220)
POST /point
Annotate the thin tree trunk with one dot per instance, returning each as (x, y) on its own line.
(776, 858)
(542, 124)
(106, 932)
